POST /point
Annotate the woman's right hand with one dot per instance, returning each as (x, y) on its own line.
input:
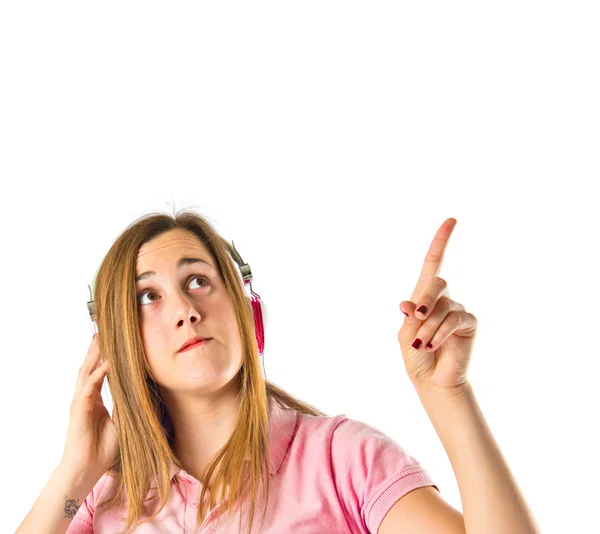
(92, 438)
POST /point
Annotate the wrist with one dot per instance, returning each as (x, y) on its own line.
(83, 480)
(427, 389)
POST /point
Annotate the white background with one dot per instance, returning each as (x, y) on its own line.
(329, 141)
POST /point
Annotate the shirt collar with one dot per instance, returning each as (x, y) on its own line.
(282, 424)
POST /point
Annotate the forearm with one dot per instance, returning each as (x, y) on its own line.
(57, 504)
(491, 500)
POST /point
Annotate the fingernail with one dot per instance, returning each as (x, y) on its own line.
(405, 313)
(417, 343)
(423, 310)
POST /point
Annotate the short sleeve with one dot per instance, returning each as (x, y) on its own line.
(371, 472)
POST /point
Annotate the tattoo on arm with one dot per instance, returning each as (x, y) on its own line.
(71, 507)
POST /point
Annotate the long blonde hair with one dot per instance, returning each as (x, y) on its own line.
(145, 428)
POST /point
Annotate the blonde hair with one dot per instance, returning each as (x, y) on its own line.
(145, 428)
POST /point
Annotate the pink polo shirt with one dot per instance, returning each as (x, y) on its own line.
(328, 474)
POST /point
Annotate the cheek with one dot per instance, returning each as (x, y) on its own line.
(153, 344)
(145, 334)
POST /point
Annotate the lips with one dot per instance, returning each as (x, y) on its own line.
(192, 341)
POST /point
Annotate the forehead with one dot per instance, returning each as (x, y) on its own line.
(171, 245)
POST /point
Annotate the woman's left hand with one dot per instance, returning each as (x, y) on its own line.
(445, 325)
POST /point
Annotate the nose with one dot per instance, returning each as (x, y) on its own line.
(194, 318)
(187, 310)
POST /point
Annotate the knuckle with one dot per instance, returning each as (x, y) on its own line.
(440, 282)
(444, 304)
(426, 330)
(457, 317)
(433, 257)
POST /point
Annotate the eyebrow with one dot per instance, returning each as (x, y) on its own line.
(180, 263)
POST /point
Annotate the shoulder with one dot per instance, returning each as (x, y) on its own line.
(352, 443)
(363, 445)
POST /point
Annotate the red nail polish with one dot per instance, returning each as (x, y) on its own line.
(429, 345)
(405, 314)
(417, 343)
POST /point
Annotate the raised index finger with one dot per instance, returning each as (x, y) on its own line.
(434, 257)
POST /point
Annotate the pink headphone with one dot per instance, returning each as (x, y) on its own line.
(258, 307)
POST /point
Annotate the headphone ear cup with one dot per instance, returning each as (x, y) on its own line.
(259, 313)
(265, 315)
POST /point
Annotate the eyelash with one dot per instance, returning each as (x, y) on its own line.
(150, 290)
